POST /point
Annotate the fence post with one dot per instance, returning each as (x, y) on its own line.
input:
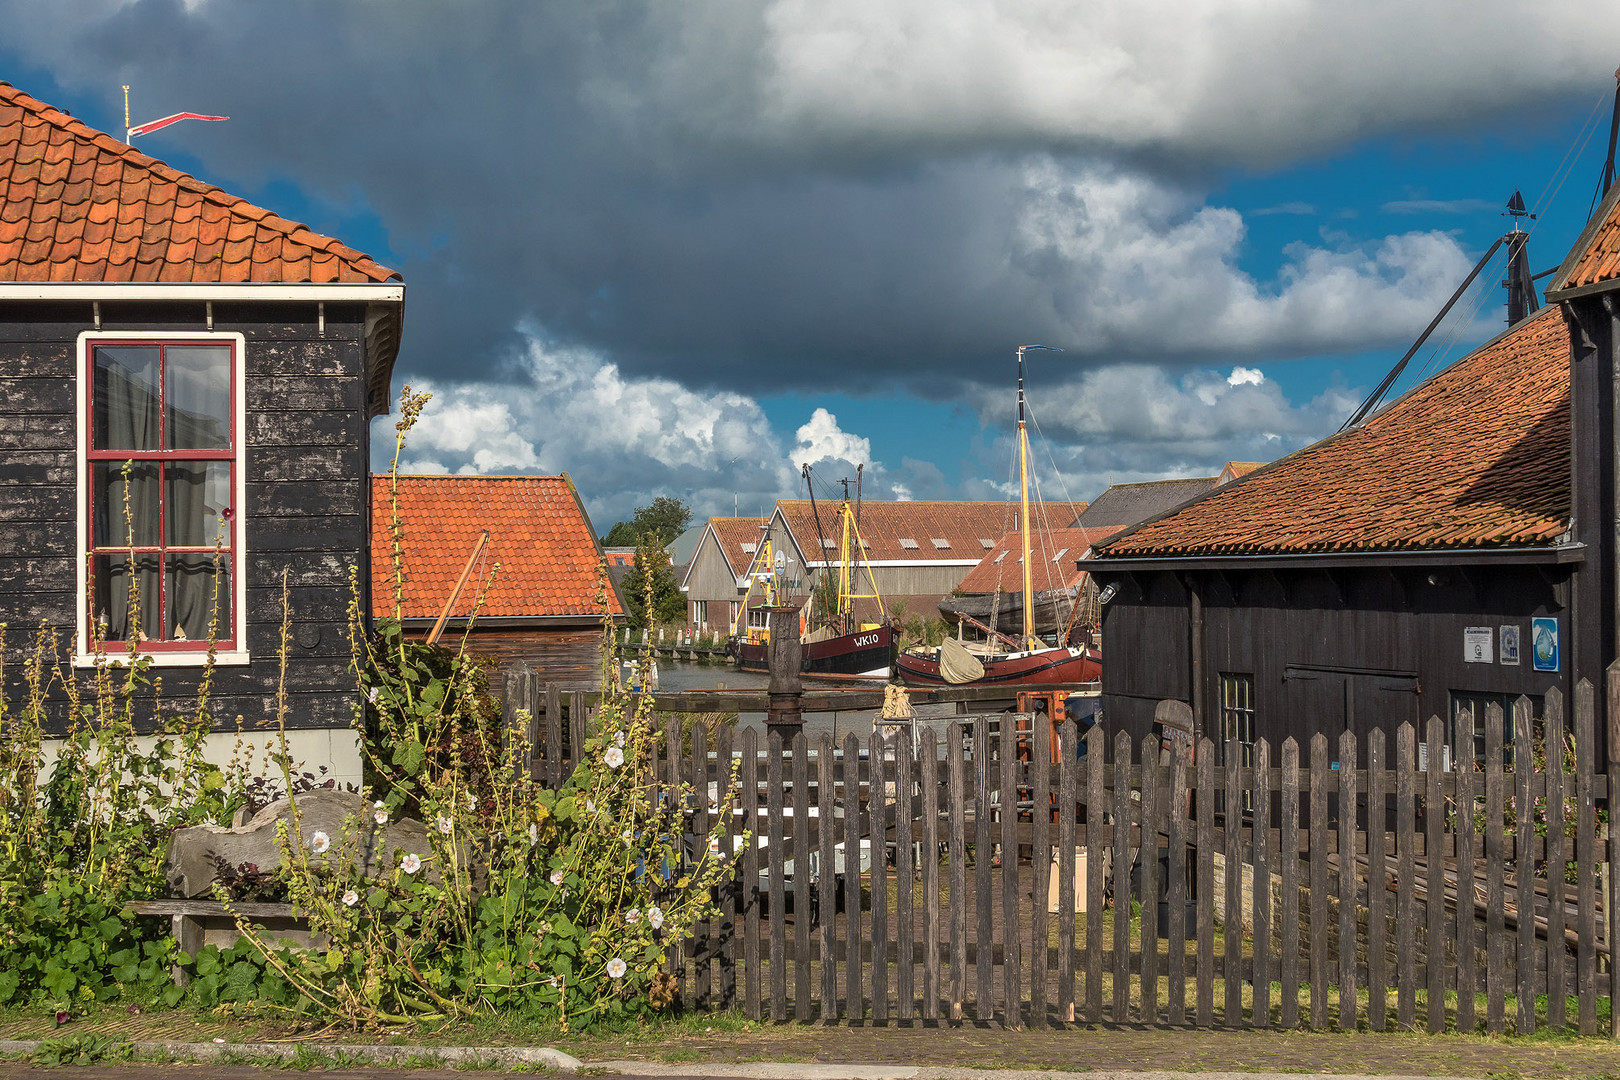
(1524, 864)
(1585, 853)
(1349, 878)
(1495, 893)
(1612, 901)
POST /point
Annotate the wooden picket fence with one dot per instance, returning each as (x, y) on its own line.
(1351, 884)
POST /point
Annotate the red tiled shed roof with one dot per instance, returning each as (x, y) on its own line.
(538, 533)
(1477, 456)
(1595, 258)
(963, 526)
(76, 204)
(1052, 565)
(732, 533)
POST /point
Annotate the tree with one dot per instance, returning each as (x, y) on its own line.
(652, 578)
(666, 517)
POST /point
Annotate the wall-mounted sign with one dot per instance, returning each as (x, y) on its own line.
(1544, 644)
(1479, 645)
(1509, 646)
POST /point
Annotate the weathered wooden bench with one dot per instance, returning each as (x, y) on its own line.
(208, 922)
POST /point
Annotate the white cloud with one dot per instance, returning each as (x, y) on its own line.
(900, 492)
(821, 439)
(1243, 376)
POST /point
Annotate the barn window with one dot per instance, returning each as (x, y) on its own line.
(1237, 724)
(160, 486)
(1458, 735)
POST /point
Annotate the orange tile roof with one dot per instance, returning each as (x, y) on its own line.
(1595, 258)
(78, 205)
(1477, 456)
(732, 533)
(964, 526)
(1054, 555)
(538, 532)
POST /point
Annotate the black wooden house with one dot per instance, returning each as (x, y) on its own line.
(186, 382)
(1457, 548)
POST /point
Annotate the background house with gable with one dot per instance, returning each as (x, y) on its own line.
(536, 591)
(167, 343)
(993, 591)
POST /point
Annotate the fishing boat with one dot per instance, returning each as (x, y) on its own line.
(841, 646)
(1004, 660)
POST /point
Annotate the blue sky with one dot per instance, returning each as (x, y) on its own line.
(681, 249)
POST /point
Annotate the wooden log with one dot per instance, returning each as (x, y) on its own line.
(1232, 837)
(1260, 1012)
(854, 990)
(1040, 766)
(1524, 868)
(1495, 896)
(1586, 862)
(1319, 880)
(1147, 858)
(801, 878)
(726, 892)
(1011, 919)
(702, 933)
(928, 752)
(1406, 880)
(1434, 900)
(1467, 867)
(1123, 820)
(828, 840)
(1068, 798)
(1348, 880)
(877, 810)
(748, 780)
(1096, 807)
(904, 878)
(1553, 724)
(955, 769)
(775, 856)
(1377, 938)
(1204, 803)
(982, 895)
(554, 738)
(1288, 868)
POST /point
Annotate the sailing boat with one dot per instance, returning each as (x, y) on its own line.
(841, 647)
(1023, 661)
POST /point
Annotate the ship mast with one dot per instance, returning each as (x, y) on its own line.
(1030, 640)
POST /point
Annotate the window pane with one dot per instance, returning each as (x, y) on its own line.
(197, 397)
(126, 398)
(195, 585)
(113, 601)
(112, 528)
(196, 496)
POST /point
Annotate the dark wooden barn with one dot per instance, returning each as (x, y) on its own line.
(169, 347)
(1455, 549)
(543, 596)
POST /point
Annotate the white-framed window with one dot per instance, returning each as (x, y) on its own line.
(161, 490)
(700, 613)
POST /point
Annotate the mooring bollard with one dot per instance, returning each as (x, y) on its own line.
(784, 713)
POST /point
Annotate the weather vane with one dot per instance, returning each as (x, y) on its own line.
(130, 131)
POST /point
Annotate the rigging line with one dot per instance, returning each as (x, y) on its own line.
(1543, 204)
(1482, 290)
(1582, 136)
(1068, 496)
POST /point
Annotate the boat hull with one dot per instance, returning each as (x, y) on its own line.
(863, 654)
(1042, 667)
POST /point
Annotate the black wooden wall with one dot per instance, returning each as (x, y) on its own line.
(307, 460)
(1353, 647)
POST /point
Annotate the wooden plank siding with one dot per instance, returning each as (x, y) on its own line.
(307, 457)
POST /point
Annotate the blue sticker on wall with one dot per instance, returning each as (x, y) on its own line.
(1544, 644)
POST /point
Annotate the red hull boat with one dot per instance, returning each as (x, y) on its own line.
(1038, 667)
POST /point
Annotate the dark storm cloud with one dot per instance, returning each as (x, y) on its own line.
(816, 192)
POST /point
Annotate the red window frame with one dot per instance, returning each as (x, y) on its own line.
(228, 630)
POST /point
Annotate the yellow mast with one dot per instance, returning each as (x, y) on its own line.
(1030, 641)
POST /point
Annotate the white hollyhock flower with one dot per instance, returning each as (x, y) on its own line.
(410, 863)
(472, 802)
(655, 916)
(616, 968)
(590, 806)
(351, 898)
(632, 916)
(556, 877)
(379, 812)
(319, 843)
(614, 757)
(628, 837)
(534, 834)
(618, 739)
(445, 824)
(372, 695)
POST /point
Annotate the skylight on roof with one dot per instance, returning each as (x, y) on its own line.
(829, 545)
(986, 544)
(942, 545)
(908, 543)
(1061, 552)
(750, 547)
(1003, 555)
